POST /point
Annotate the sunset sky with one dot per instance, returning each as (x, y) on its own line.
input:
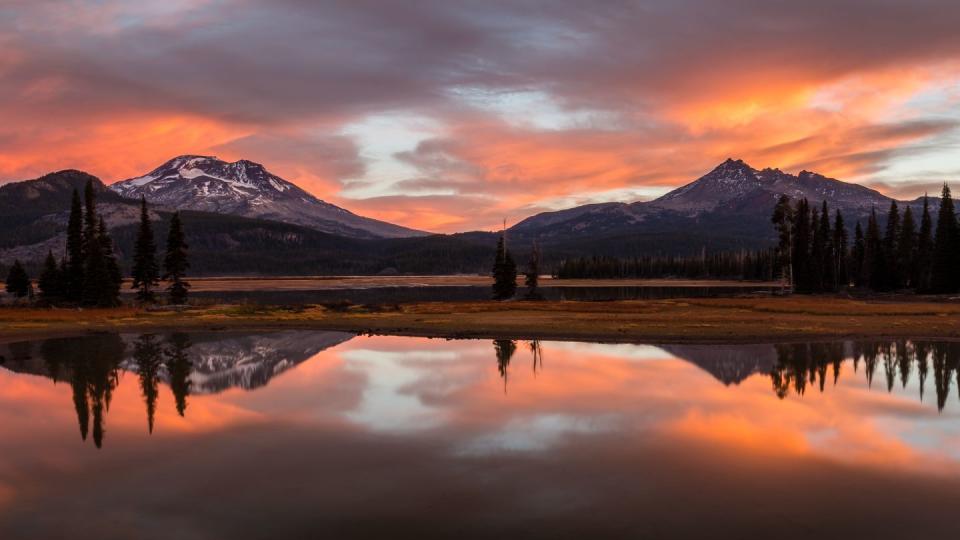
(451, 115)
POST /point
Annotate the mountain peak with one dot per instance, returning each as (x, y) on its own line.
(246, 188)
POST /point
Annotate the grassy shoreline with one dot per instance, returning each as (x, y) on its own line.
(713, 320)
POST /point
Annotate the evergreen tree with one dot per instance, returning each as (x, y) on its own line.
(840, 252)
(827, 263)
(95, 273)
(873, 259)
(146, 272)
(906, 256)
(74, 259)
(175, 263)
(18, 282)
(891, 270)
(945, 276)
(817, 243)
(504, 272)
(802, 265)
(922, 268)
(111, 287)
(532, 275)
(858, 257)
(52, 281)
(782, 220)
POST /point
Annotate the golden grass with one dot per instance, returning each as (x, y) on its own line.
(687, 320)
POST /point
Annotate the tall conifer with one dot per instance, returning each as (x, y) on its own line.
(782, 219)
(891, 267)
(922, 268)
(146, 272)
(51, 281)
(858, 256)
(74, 256)
(840, 250)
(945, 276)
(906, 256)
(803, 269)
(95, 274)
(175, 263)
(504, 272)
(110, 288)
(827, 264)
(873, 260)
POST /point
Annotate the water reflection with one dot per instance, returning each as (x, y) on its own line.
(802, 364)
(313, 434)
(93, 366)
(213, 363)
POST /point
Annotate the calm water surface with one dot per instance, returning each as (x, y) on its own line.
(321, 434)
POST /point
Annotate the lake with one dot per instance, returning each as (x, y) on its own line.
(300, 434)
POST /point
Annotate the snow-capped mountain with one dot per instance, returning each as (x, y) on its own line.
(244, 188)
(224, 361)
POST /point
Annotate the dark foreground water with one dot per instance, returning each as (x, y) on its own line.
(325, 435)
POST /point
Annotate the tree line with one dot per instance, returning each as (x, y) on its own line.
(814, 253)
(88, 274)
(745, 265)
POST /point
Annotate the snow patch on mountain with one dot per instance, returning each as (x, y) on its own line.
(247, 189)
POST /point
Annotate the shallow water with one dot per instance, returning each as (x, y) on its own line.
(323, 434)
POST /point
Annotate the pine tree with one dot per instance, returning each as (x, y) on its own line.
(802, 265)
(840, 252)
(532, 275)
(891, 270)
(110, 289)
(782, 220)
(816, 251)
(18, 282)
(859, 256)
(74, 257)
(922, 268)
(827, 263)
(52, 281)
(504, 272)
(945, 271)
(95, 275)
(175, 263)
(146, 272)
(906, 256)
(873, 259)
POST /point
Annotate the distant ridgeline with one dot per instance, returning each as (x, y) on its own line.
(745, 265)
(240, 219)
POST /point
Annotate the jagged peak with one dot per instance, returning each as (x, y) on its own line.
(730, 163)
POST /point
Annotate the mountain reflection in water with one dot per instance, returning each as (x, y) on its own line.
(366, 436)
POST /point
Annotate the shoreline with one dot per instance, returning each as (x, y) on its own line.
(704, 321)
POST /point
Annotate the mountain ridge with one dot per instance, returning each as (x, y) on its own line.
(732, 189)
(247, 189)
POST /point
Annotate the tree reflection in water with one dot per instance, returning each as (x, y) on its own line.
(92, 365)
(504, 349)
(803, 364)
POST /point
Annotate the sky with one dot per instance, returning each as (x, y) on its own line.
(453, 115)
